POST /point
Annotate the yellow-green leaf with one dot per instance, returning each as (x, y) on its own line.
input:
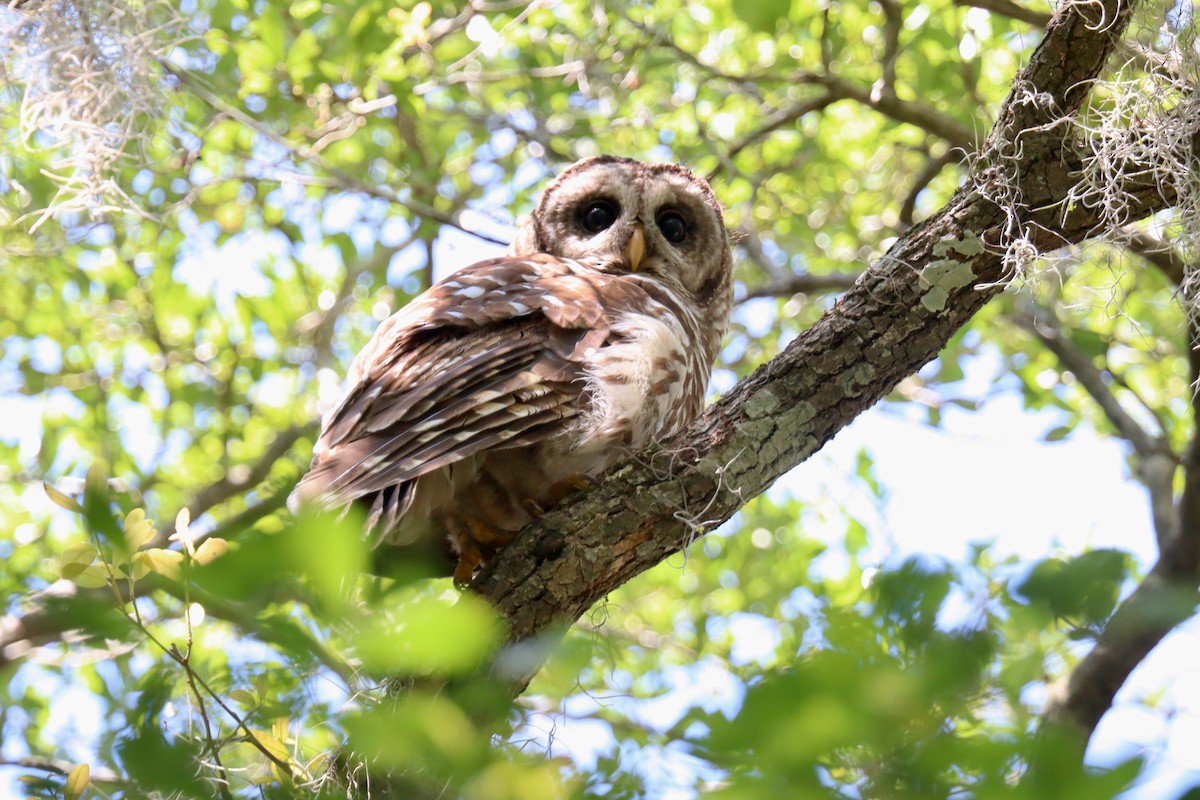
(138, 530)
(162, 561)
(79, 553)
(141, 566)
(96, 481)
(279, 729)
(77, 781)
(210, 549)
(72, 571)
(96, 575)
(276, 748)
(183, 521)
(61, 500)
(183, 530)
(244, 697)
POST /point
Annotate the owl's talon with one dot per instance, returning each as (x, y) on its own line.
(478, 538)
(468, 561)
(578, 482)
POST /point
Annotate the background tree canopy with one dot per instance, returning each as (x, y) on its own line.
(208, 205)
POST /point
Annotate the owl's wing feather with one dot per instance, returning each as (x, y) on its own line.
(490, 358)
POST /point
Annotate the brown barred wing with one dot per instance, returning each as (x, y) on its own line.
(491, 358)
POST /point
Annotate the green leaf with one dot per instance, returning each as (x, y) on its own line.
(418, 732)
(1059, 433)
(160, 561)
(77, 780)
(423, 635)
(61, 500)
(139, 531)
(210, 550)
(763, 16)
(94, 576)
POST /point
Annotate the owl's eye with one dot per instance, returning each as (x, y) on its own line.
(673, 226)
(599, 215)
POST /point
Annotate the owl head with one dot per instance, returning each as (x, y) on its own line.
(657, 221)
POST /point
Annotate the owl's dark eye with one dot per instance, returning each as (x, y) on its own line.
(673, 226)
(599, 215)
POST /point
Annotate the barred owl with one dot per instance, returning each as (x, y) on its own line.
(489, 397)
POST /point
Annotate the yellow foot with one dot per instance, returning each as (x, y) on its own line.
(572, 483)
(469, 559)
(480, 542)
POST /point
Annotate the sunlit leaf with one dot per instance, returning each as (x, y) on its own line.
(77, 780)
(158, 560)
(61, 500)
(139, 531)
(210, 549)
(79, 553)
(419, 731)
(96, 575)
(276, 749)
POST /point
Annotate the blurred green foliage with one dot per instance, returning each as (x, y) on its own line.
(311, 173)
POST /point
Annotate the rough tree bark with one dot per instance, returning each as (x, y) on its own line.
(895, 319)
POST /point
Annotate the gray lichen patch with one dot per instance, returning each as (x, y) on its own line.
(969, 245)
(951, 271)
(761, 404)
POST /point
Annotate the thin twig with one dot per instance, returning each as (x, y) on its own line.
(344, 179)
(805, 283)
(1007, 8)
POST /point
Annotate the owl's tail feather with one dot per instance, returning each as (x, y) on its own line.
(386, 512)
(385, 509)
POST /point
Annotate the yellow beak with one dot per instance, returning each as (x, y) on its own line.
(636, 247)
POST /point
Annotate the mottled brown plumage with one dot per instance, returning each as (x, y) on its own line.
(487, 398)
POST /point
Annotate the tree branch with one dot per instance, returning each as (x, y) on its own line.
(782, 118)
(336, 177)
(933, 167)
(229, 486)
(62, 768)
(1155, 461)
(804, 283)
(1007, 8)
(1043, 325)
(925, 117)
